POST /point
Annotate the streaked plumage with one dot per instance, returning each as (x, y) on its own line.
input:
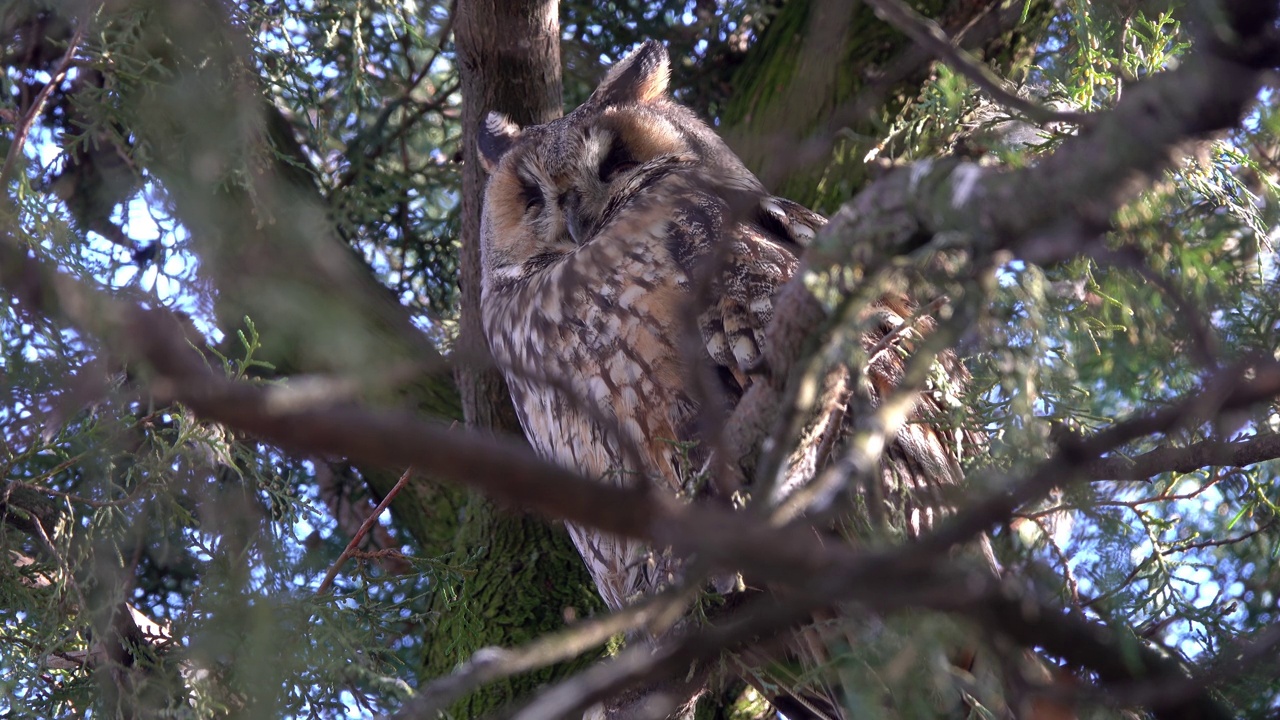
(630, 263)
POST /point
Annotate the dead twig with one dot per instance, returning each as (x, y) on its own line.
(928, 35)
(362, 532)
(37, 107)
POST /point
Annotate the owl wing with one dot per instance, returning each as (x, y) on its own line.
(561, 429)
(736, 263)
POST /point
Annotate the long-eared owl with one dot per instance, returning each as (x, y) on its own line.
(630, 263)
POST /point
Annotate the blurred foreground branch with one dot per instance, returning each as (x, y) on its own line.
(821, 573)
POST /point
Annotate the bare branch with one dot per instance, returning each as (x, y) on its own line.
(1190, 458)
(37, 107)
(928, 35)
(1230, 389)
(820, 572)
(492, 664)
(1184, 546)
(677, 656)
(1117, 658)
(360, 534)
(1046, 213)
(508, 471)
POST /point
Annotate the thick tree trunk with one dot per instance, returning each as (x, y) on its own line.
(509, 62)
(528, 578)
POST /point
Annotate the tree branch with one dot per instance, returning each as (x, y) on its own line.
(1186, 459)
(1041, 214)
(929, 36)
(820, 573)
(941, 197)
(491, 664)
(1115, 657)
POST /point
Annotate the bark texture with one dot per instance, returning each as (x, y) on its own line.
(528, 577)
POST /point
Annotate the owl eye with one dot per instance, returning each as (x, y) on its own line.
(531, 193)
(616, 163)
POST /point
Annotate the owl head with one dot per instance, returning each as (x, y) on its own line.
(552, 186)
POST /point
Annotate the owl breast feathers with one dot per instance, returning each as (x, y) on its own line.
(630, 263)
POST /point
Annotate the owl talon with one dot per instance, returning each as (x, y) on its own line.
(759, 366)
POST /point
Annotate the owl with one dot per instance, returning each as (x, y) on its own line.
(630, 263)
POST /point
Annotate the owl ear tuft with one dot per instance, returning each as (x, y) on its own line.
(497, 134)
(640, 77)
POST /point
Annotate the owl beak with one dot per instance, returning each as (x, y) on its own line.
(580, 227)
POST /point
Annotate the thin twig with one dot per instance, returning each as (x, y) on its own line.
(29, 119)
(928, 35)
(379, 144)
(641, 664)
(1196, 456)
(80, 499)
(1216, 543)
(1169, 690)
(364, 530)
